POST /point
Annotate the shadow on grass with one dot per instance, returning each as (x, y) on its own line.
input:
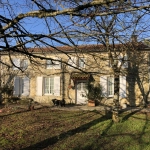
(55, 139)
(20, 110)
(111, 140)
(129, 115)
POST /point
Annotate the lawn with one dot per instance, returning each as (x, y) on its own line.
(54, 129)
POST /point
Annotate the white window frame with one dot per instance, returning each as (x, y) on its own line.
(50, 85)
(104, 82)
(41, 83)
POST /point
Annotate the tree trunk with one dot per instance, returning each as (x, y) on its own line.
(115, 112)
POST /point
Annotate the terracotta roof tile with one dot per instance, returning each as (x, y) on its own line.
(80, 76)
(87, 48)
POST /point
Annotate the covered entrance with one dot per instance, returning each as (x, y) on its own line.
(80, 81)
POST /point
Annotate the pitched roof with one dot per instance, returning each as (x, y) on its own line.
(90, 48)
(81, 48)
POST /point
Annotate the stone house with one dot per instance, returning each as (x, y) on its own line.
(63, 73)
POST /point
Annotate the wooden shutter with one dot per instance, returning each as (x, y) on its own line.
(24, 64)
(16, 62)
(122, 90)
(16, 91)
(103, 83)
(82, 62)
(125, 65)
(25, 86)
(20, 86)
(58, 64)
(72, 62)
(48, 64)
(57, 86)
(119, 60)
(39, 86)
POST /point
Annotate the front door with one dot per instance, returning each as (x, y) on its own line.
(81, 92)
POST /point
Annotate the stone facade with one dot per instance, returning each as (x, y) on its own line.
(51, 78)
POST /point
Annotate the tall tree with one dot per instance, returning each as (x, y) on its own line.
(43, 23)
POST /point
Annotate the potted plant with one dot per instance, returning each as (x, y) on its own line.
(94, 93)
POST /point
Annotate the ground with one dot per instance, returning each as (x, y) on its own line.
(57, 128)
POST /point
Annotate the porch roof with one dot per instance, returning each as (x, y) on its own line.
(80, 76)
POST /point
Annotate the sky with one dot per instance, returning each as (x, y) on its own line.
(38, 26)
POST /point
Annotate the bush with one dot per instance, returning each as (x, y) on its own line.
(94, 91)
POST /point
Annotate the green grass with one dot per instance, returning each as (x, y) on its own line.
(73, 130)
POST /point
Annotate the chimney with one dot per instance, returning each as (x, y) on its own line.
(134, 38)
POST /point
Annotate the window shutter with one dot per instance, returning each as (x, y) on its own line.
(82, 62)
(57, 86)
(16, 62)
(58, 64)
(122, 90)
(20, 86)
(25, 86)
(39, 87)
(72, 62)
(119, 60)
(24, 64)
(103, 83)
(113, 86)
(125, 65)
(16, 86)
(48, 64)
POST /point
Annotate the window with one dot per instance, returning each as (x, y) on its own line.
(24, 64)
(119, 61)
(110, 86)
(81, 62)
(49, 85)
(20, 63)
(52, 64)
(107, 83)
(49, 64)
(76, 62)
(82, 86)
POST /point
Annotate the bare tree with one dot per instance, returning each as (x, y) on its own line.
(118, 34)
(110, 23)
